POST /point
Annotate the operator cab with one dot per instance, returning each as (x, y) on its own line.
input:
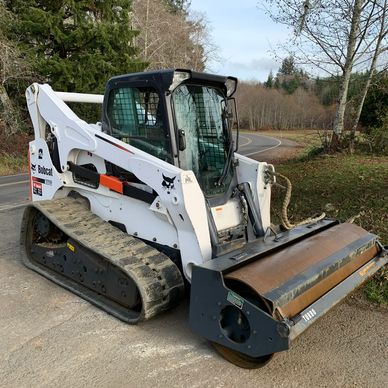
(179, 116)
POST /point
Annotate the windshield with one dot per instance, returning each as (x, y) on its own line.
(200, 112)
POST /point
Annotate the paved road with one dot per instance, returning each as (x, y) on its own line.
(253, 145)
(13, 191)
(52, 338)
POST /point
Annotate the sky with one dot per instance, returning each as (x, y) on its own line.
(245, 36)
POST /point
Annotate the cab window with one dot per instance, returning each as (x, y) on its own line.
(199, 112)
(136, 117)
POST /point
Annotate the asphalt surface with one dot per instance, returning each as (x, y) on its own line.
(253, 145)
(52, 338)
(13, 191)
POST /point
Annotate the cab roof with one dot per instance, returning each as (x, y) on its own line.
(163, 79)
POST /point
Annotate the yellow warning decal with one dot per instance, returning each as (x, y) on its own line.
(71, 247)
(367, 268)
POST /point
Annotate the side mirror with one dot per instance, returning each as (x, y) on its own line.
(181, 140)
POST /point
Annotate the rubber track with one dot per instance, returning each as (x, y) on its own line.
(158, 279)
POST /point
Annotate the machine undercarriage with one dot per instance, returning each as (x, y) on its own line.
(67, 243)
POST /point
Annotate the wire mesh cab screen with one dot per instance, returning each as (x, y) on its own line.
(199, 112)
(136, 117)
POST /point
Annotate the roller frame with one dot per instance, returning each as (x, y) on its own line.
(209, 296)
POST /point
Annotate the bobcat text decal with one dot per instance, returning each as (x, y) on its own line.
(41, 169)
(44, 170)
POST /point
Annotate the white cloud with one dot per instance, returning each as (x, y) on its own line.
(246, 37)
(264, 63)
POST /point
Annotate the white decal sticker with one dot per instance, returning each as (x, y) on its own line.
(309, 315)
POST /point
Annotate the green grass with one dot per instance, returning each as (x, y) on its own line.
(377, 289)
(342, 186)
(10, 164)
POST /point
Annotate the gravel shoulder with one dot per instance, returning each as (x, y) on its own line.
(50, 338)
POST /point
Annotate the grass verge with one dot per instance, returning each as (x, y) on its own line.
(342, 186)
(12, 164)
(13, 152)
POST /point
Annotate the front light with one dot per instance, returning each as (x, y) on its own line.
(231, 86)
(178, 78)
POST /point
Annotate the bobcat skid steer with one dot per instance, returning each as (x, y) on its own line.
(125, 210)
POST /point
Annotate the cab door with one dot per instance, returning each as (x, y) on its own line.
(136, 115)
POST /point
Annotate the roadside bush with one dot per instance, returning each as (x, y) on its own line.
(13, 151)
(15, 144)
(378, 137)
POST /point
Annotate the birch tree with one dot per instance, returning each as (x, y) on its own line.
(379, 48)
(336, 36)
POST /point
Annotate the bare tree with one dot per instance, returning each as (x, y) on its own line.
(261, 107)
(171, 39)
(347, 68)
(336, 36)
(13, 68)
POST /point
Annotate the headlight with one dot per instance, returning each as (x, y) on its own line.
(178, 78)
(231, 86)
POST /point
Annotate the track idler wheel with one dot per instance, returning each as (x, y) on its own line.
(45, 230)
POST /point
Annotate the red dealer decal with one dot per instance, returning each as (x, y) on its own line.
(37, 188)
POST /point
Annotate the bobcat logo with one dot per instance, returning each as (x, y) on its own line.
(168, 183)
(33, 167)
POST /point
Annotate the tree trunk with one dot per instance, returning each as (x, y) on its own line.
(347, 71)
(359, 108)
(372, 69)
(343, 97)
(146, 32)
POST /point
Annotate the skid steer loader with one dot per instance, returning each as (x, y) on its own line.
(128, 211)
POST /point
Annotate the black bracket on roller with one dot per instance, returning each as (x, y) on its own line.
(212, 304)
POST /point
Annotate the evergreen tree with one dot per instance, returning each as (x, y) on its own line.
(178, 5)
(375, 109)
(288, 66)
(76, 45)
(289, 77)
(270, 81)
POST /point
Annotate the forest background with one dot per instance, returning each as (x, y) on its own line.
(78, 46)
